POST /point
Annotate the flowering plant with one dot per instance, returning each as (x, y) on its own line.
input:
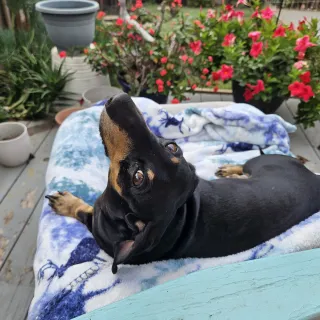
(161, 65)
(267, 59)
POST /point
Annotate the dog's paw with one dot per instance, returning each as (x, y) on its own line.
(65, 203)
(229, 170)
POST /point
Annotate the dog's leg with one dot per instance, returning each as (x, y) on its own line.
(66, 204)
(231, 171)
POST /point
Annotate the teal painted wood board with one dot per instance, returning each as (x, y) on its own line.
(280, 287)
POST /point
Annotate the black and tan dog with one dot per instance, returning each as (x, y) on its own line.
(155, 207)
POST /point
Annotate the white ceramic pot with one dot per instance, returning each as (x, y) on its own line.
(15, 146)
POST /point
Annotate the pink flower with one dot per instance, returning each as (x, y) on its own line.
(163, 72)
(267, 13)
(211, 14)
(151, 52)
(216, 75)
(196, 47)
(244, 2)
(175, 101)
(168, 83)
(100, 15)
(210, 59)
(190, 60)
(300, 64)
(254, 35)
(160, 88)
(302, 44)
(229, 7)
(301, 55)
(229, 40)
(255, 89)
(139, 4)
(199, 24)
(205, 71)
(62, 54)
(256, 49)
(300, 90)
(184, 58)
(248, 95)
(194, 87)
(301, 25)
(305, 77)
(119, 22)
(226, 72)
(151, 31)
(215, 89)
(208, 83)
(164, 60)
(291, 27)
(279, 32)
(256, 14)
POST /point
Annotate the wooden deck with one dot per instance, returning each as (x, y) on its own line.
(21, 197)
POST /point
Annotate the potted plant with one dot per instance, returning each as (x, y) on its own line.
(150, 66)
(267, 62)
(70, 23)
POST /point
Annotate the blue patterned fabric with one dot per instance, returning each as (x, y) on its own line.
(73, 276)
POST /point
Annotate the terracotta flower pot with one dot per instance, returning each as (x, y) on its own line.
(63, 114)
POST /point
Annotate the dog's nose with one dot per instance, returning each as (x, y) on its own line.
(117, 101)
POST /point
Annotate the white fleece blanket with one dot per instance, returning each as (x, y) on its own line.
(73, 276)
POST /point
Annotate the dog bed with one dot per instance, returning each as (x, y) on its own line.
(73, 276)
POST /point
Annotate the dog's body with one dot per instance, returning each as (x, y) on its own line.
(155, 207)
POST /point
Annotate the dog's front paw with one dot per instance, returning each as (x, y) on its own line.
(229, 170)
(65, 203)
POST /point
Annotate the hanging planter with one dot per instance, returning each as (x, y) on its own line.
(69, 23)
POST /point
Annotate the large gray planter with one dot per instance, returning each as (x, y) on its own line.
(69, 23)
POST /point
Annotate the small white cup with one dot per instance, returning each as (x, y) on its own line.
(15, 146)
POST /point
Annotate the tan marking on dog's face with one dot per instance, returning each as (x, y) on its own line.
(118, 146)
(175, 160)
(150, 174)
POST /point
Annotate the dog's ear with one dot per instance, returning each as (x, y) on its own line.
(122, 252)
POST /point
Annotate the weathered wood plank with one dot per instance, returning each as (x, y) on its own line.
(299, 143)
(8, 176)
(282, 287)
(17, 277)
(19, 203)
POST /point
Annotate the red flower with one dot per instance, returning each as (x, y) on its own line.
(302, 44)
(229, 40)
(210, 58)
(190, 60)
(205, 71)
(256, 14)
(238, 14)
(248, 95)
(216, 75)
(138, 38)
(139, 4)
(62, 54)
(194, 87)
(202, 77)
(301, 25)
(134, 17)
(164, 60)
(208, 83)
(256, 49)
(305, 77)
(300, 90)
(133, 9)
(160, 88)
(119, 22)
(175, 100)
(168, 83)
(159, 82)
(184, 58)
(215, 89)
(254, 35)
(301, 55)
(199, 24)
(229, 7)
(226, 72)
(100, 15)
(163, 72)
(196, 47)
(85, 50)
(267, 13)
(152, 32)
(291, 27)
(279, 32)
(255, 89)
(151, 52)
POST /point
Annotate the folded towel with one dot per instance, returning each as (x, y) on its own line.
(73, 276)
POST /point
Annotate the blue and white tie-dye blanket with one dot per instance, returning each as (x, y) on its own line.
(73, 276)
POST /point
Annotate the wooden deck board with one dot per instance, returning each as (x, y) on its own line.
(16, 276)
(18, 205)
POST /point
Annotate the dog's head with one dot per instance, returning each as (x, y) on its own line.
(147, 173)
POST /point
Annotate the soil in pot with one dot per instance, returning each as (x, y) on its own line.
(156, 97)
(266, 107)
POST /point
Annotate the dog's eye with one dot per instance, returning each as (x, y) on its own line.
(172, 147)
(138, 178)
